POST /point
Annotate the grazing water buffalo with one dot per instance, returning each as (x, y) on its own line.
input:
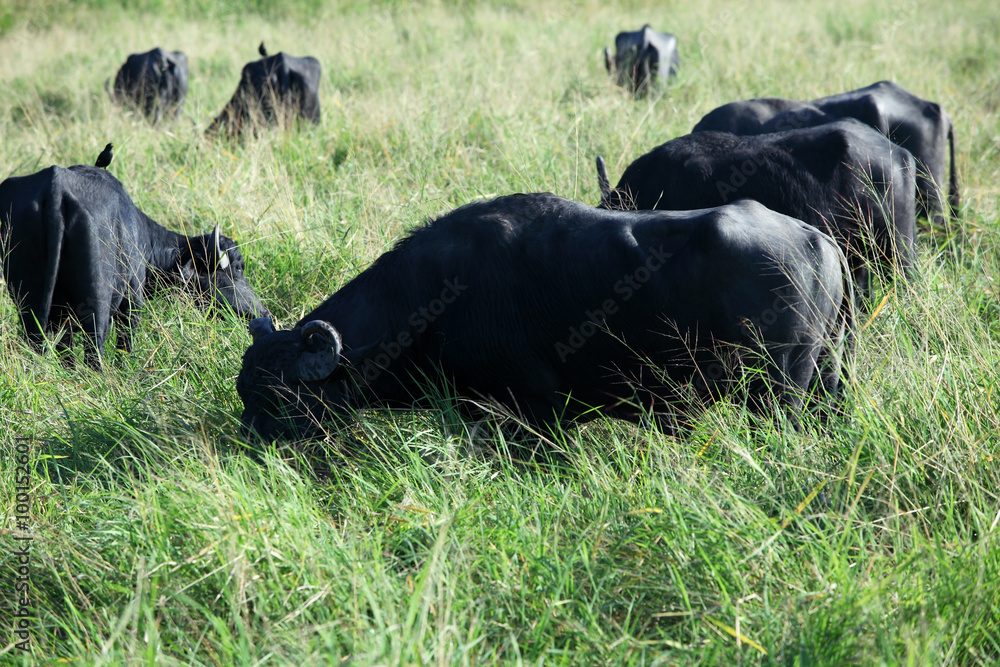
(561, 312)
(74, 246)
(274, 89)
(642, 59)
(921, 127)
(155, 83)
(843, 177)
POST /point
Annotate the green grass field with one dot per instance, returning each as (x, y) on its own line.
(157, 536)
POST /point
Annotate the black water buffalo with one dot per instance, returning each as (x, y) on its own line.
(561, 312)
(275, 89)
(843, 177)
(642, 59)
(923, 128)
(74, 246)
(155, 83)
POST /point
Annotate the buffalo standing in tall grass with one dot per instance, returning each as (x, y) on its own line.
(76, 250)
(558, 312)
(922, 127)
(843, 177)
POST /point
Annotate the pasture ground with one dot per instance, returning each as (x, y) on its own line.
(157, 536)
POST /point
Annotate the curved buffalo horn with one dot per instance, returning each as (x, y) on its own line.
(322, 354)
(260, 326)
(602, 178)
(608, 62)
(221, 260)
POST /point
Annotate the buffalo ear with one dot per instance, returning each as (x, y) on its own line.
(322, 350)
(187, 270)
(220, 258)
(260, 326)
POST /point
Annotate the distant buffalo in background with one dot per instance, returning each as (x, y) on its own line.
(924, 128)
(155, 83)
(643, 59)
(76, 250)
(275, 89)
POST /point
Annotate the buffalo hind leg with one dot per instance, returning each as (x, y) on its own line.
(94, 324)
